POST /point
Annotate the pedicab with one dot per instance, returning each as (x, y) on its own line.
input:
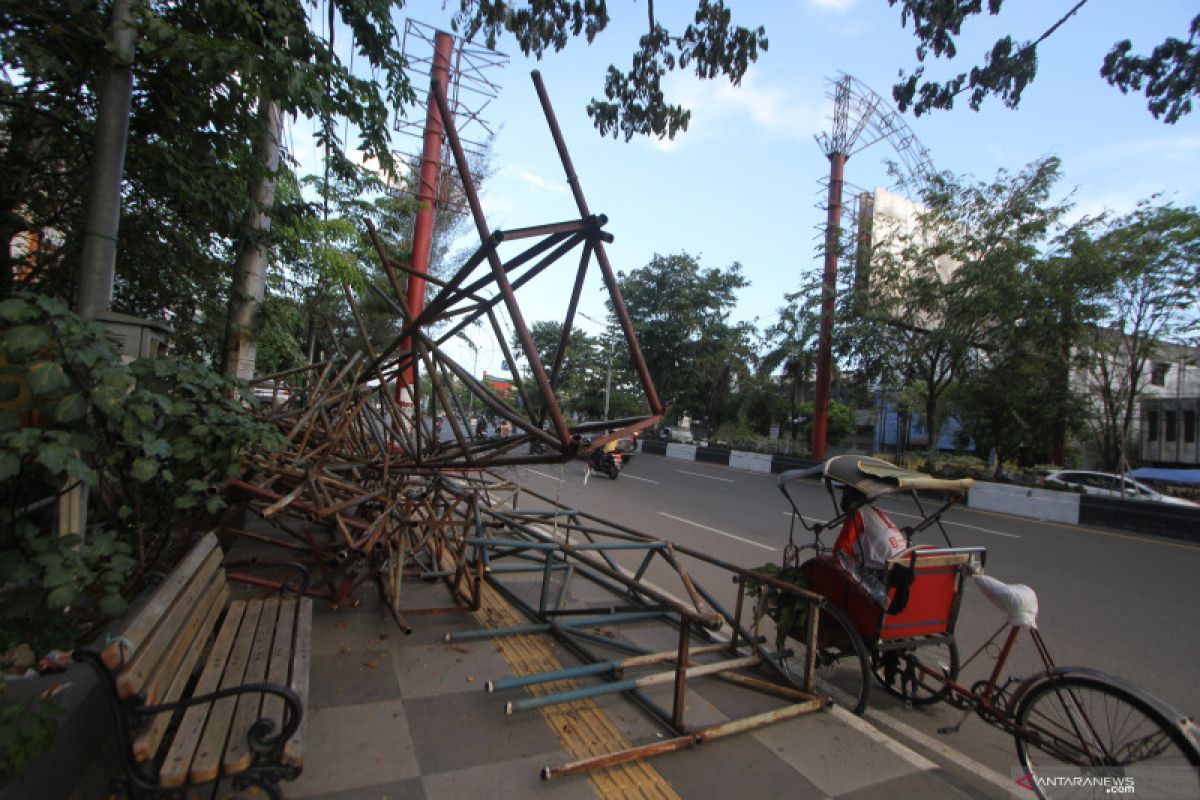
(873, 623)
(899, 626)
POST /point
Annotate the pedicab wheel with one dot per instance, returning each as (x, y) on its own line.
(899, 672)
(1085, 724)
(842, 670)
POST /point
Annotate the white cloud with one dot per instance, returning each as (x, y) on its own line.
(833, 5)
(773, 110)
(534, 180)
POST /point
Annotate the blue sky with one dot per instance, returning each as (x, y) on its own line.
(742, 184)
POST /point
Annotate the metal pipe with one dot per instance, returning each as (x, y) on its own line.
(510, 300)
(527, 703)
(610, 281)
(706, 734)
(616, 665)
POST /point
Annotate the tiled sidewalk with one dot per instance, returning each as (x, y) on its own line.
(394, 716)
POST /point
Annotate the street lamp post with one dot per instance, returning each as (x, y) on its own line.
(608, 362)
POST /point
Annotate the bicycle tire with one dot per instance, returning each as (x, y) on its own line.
(1132, 736)
(909, 683)
(843, 672)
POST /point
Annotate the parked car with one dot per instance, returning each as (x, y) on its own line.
(268, 393)
(1108, 485)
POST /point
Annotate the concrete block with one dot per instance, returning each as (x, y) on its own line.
(751, 462)
(1025, 501)
(683, 452)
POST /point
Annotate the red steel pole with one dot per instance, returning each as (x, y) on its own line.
(427, 195)
(837, 169)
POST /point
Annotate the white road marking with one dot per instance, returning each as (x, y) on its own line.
(972, 766)
(959, 524)
(714, 530)
(544, 475)
(806, 519)
(636, 478)
(710, 477)
(914, 758)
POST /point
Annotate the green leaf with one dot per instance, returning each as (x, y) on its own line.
(144, 469)
(10, 465)
(144, 413)
(156, 448)
(185, 501)
(81, 471)
(108, 398)
(16, 310)
(56, 576)
(54, 457)
(9, 421)
(61, 597)
(112, 605)
(214, 504)
(45, 377)
(124, 512)
(25, 341)
(71, 408)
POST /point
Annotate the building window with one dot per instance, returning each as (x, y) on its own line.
(1169, 425)
(1158, 375)
(1189, 426)
(1152, 426)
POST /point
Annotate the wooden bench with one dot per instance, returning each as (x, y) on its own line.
(203, 688)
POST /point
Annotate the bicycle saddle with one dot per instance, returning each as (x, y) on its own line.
(1015, 599)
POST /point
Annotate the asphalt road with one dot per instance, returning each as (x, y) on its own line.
(1120, 603)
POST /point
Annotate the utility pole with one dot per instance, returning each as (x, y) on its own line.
(99, 258)
(608, 339)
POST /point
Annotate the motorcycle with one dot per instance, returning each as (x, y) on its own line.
(606, 462)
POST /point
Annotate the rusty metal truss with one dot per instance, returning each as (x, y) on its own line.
(367, 488)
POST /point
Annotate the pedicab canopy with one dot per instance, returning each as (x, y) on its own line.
(875, 477)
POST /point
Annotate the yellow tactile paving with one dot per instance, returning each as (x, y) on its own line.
(582, 727)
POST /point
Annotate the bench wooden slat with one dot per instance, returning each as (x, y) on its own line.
(182, 659)
(281, 661)
(146, 618)
(189, 641)
(293, 751)
(249, 705)
(216, 731)
(135, 676)
(175, 766)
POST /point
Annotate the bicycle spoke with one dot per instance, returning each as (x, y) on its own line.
(1082, 722)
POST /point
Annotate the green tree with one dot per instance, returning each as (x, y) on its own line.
(1154, 251)
(1168, 75)
(200, 72)
(790, 344)
(579, 384)
(950, 283)
(680, 313)
(635, 103)
(1017, 396)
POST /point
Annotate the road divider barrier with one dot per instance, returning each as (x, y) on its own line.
(1047, 505)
